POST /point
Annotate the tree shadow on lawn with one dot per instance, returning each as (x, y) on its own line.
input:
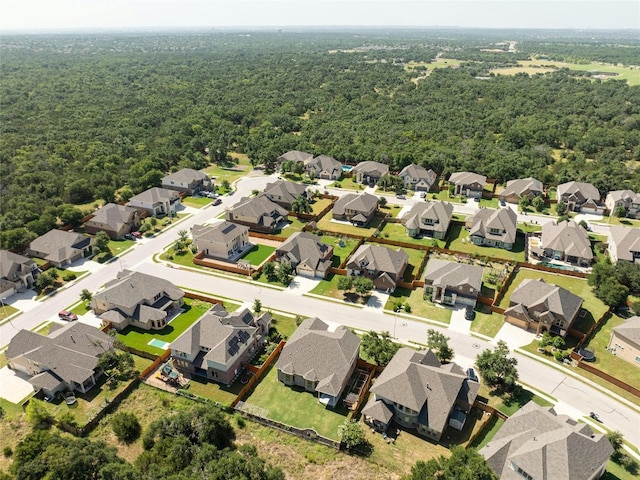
(585, 321)
(352, 297)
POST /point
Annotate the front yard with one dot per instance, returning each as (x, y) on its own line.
(487, 322)
(328, 287)
(294, 406)
(241, 167)
(139, 339)
(419, 306)
(7, 311)
(196, 202)
(119, 246)
(458, 239)
(347, 183)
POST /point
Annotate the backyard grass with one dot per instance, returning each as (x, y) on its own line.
(294, 225)
(258, 254)
(578, 286)
(487, 322)
(419, 306)
(319, 205)
(285, 324)
(342, 248)
(139, 339)
(458, 239)
(7, 311)
(294, 406)
(119, 246)
(326, 225)
(489, 431)
(397, 232)
(214, 391)
(196, 202)
(415, 261)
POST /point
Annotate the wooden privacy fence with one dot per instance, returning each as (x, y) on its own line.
(267, 236)
(204, 298)
(605, 376)
(199, 259)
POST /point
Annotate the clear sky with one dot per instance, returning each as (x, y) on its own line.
(91, 14)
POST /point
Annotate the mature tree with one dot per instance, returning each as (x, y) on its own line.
(382, 201)
(257, 305)
(379, 347)
(345, 283)
(616, 440)
(285, 271)
(301, 205)
(497, 368)
(269, 270)
(463, 464)
(126, 426)
(362, 285)
(612, 293)
(439, 343)
(101, 243)
(353, 438)
(620, 212)
(70, 215)
(599, 273)
(524, 202)
(561, 208)
(225, 184)
(538, 203)
(85, 295)
(38, 414)
(46, 279)
(16, 239)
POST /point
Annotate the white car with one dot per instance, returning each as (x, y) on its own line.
(423, 194)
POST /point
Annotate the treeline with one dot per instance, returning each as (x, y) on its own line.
(83, 116)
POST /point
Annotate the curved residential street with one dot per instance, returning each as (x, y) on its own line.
(575, 397)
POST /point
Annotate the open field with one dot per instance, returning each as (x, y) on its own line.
(230, 174)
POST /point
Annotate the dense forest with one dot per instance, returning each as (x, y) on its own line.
(81, 116)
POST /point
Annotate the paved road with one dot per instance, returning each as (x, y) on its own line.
(576, 397)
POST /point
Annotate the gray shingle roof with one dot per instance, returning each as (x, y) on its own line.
(379, 259)
(11, 263)
(546, 446)
(630, 330)
(503, 219)
(220, 232)
(284, 191)
(114, 216)
(317, 354)
(186, 175)
(155, 194)
(326, 163)
(521, 186)
(452, 274)
(418, 171)
(555, 300)
(567, 237)
(438, 212)
(583, 190)
(363, 202)
(59, 245)
(371, 168)
(467, 178)
(378, 410)
(626, 240)
(416, 380)
(261, 208)
(296, 156)
(304, 247)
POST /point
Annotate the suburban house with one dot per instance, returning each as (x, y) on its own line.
(624, 244)
(258, 213)
(368, 173)
(452, 283)
(381, 264)
(114, 220)
(319, 359)
(324, 167)
(493, 228)
(306, 253)
(295, 156)
(537, 443)
(187, 180)
(220, 344)
(468, 184)
(580, 197)
(224, 240)
(16, 273)
(60, 248)
(284, 193)
(625, 341)
(428, 219)
(156, 201)
(137, 299)
(522, 187)
(627, 199)
(357, 208)
(566, 241)
(64, 360)
(418, 178)
(536, 305)
(418, 392)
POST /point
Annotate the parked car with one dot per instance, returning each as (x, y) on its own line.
(503, 203)
(469, 314)
(476, 199)
(136, 234)
(128, 236)
(218, 201)
(400, 196)
(68, 316)
(471, 374)
(422, 194)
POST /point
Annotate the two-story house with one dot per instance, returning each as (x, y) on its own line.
(623, 199)
(114, 220)
(568, 242)
(624, 244)
(493, 228)
(220, 344)
(358, 209)
(324, 167)
(539, 306)
(385, 267)
(520, 188)
(428, 219)
(16, 273)
(468, 184)
(187, 180)
(284, 193)
(416, 391)
(580, 197)
(320, 359)
(625, 341)
(258, 213)
(307, 254)
(139, 300)
(156, 201)
(224, 240)
(368, 172)
(418, 178)
(452, 283)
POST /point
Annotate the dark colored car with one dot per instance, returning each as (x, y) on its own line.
(469, 314)
(218, 201)
(128, 236)
(471, 374)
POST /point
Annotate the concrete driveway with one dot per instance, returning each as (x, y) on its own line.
(13, 387)
(458, 322)
(301, 285)
(514, 336)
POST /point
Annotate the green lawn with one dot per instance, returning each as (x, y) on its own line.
(617, 472)
(242, 168)
(613, 220)
(444, 196)
(319, 205)
(60, 281)
(326, 225)
(488, 202)
(196, 202)
(488, 432)
(184, 258)
(7, 311)
(294, 406)
(214, 391)
(397, 232)
(458, 239)
(347, 183)
(139, 339)
(419, 306)
(578, 286)
(415, 260)
(342, 247)
(391, 209)
(258, 254)
(285, 324)
(294, 225)
(119, 246)
(510, 404)
(529, 227)
(487, 322)
(328, 287)
(81, 308)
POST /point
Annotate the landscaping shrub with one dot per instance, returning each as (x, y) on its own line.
(69, 276)
(126, 426)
